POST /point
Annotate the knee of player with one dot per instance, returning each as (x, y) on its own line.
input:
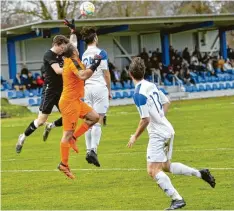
(67, 135)
(95, 118)
(166, 166)
(151, 172)
(41, 121)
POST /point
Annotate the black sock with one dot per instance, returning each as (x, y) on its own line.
(31, 128)
(58, 122)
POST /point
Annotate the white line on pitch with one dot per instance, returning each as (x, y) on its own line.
(108, 169)
(129, 153)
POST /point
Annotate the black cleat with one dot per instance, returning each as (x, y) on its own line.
(46, 132)
(104, 120)
(20, 143)
(176, 204)
(18, 148)
(93, 158)
(206, 176)
(88, 158)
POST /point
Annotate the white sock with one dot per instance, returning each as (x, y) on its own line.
(164, 183)
(36, 123)
(96, 134)
(23, 136)
(179, 168)
(51, 125)
(88, 140)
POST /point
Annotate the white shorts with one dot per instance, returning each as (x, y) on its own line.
(159, 149)
(97, 97)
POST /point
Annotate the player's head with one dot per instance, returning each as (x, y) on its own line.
(70, 51)
(59, 43)
(137, 68)
(89, 35)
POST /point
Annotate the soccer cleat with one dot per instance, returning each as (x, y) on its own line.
(73, 144)
(46, 131)
(104, 120)
(93, 158)
(176, 204)
(88, 158)
(206, 176)
(65, 170)
(20, 143)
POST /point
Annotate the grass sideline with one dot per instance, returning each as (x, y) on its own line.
(204, 138)
(14, 110)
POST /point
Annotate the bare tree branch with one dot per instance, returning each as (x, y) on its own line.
(74, 9)
(45, 12)
(34, 13)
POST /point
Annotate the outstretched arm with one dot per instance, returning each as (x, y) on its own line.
(87, 73)
(72, 27)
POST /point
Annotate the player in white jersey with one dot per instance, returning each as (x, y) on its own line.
(161, 135)
(97, 91)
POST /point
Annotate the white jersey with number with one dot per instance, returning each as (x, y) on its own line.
(98, 76)
(149, 104)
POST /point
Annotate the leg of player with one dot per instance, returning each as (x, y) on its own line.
(41, 119)
(64, 152)
(50, 126)
(90, 119)
(154, 170)
(179, 168)
(96, 133)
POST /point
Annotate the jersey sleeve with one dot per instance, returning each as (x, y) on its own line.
(141, 103)
(163, 98)
(104, 62)
(50, 58)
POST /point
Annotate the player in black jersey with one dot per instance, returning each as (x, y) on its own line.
(52, 89)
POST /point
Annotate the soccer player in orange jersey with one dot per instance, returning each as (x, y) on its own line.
(71, 106)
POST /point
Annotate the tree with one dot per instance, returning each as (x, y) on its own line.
(227, 7)
(17, 12)
(192, 7)
(8, 19)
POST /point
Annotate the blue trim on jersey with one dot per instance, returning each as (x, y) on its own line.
(158, 99)
(103, 54)
(139, 99)
(137, 89)
(154, 103)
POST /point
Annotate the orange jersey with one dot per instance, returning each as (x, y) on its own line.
(73, 87)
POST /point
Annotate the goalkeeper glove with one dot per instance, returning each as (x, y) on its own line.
(71, 25)
(96, 62)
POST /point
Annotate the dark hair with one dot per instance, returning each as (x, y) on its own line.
(24, 71)
(137, 68)
(88, 34)
(60, 39)
(69, 50)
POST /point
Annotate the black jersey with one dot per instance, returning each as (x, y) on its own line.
(53, 81)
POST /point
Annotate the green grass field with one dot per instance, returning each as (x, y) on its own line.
(204, 138)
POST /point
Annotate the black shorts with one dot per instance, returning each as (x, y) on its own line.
(49, 99)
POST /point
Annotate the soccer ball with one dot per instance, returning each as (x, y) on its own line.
(87, 8)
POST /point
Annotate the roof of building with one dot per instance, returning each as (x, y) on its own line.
(135, 24)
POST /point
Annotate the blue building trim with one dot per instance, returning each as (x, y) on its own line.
(165, 43)
(81, 48)
(223, 43)
(188, 27)
(112, 29)
(32, 35)
(11, 58)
